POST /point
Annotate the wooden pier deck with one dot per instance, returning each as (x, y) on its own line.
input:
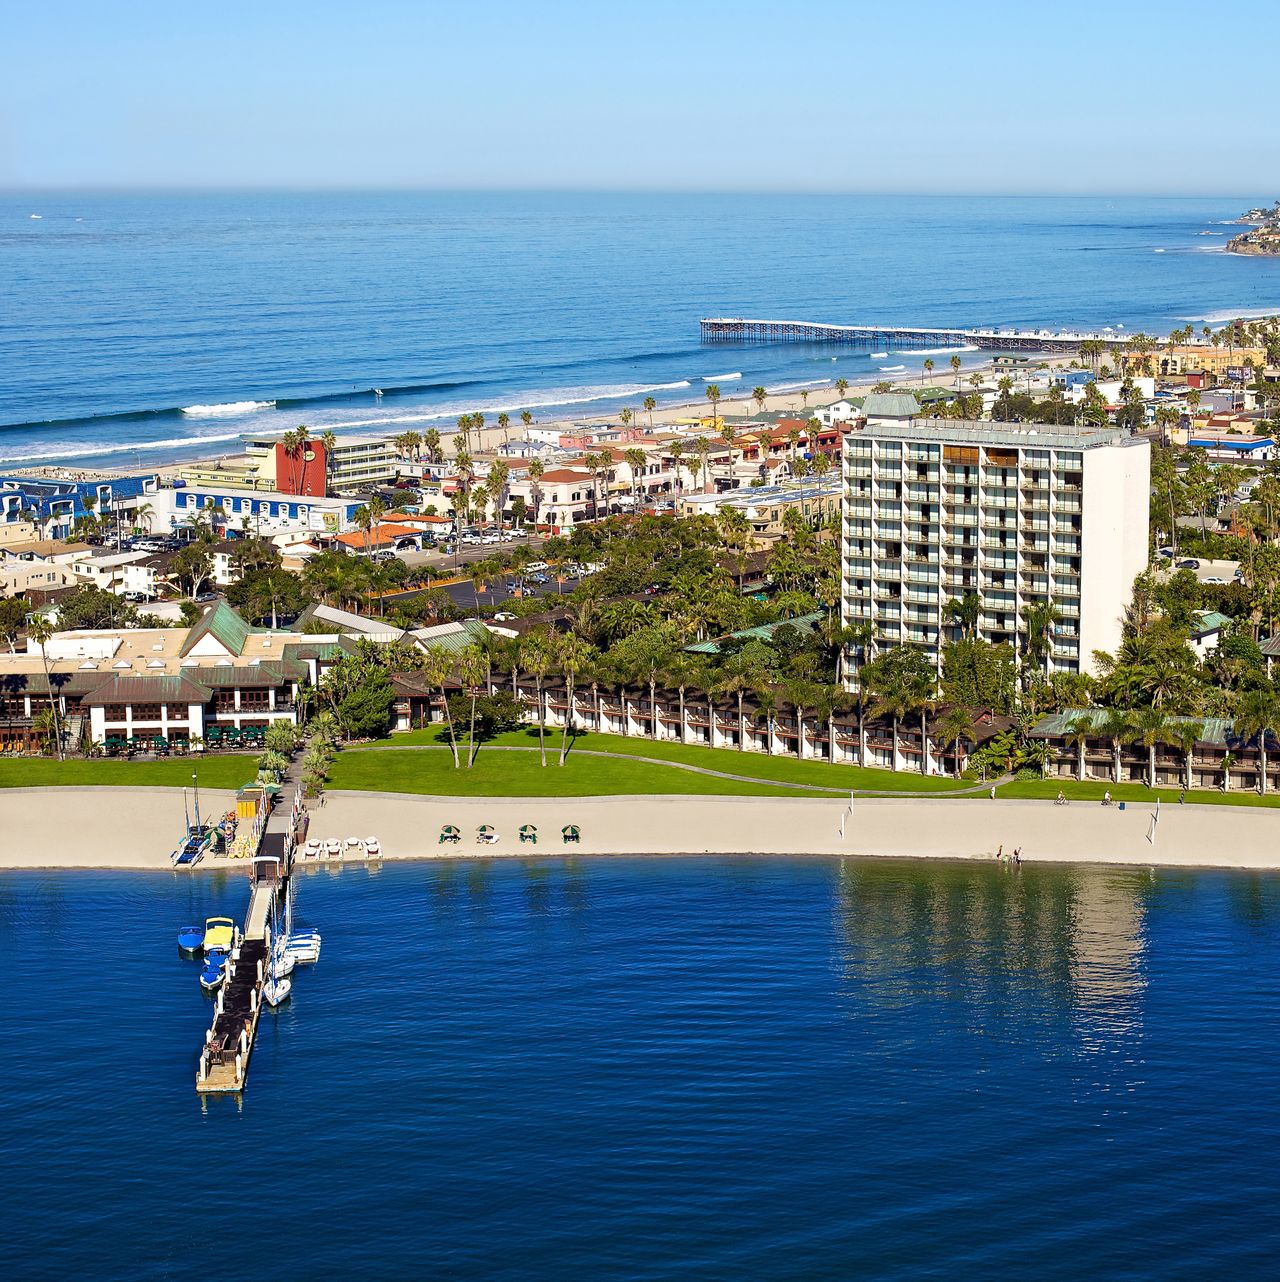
(223, 1066)
(737, 329)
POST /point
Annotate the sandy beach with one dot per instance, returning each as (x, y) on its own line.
(137, 828)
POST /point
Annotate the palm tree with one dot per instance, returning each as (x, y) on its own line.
(526, 418)
(1117, 727)
(650, 405)
(504, 422)
(573, 655)
(329, 443)
(537, 662)
(437, 668)
(40, 630)
(842, 386)
(702, 447)
(636, 459)
(956, 726)
(1040, 619)
(801, 695)
(143, 515)
(1258, 717)
(432, 444)
(1080, 729)
(536, 471)
(302, 436)
(965, 613)
(713, 395)
(677, 459)
(759, 395)
(1150, 727)
(1186, 734)
(472, 671)
(928, 369)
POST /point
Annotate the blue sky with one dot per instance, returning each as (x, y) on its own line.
(811, 95)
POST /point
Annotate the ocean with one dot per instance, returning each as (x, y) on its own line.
(137, 329)
(643, 1070)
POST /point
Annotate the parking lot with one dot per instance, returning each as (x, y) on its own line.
(1205, 570)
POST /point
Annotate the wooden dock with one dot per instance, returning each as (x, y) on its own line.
(223, 1067)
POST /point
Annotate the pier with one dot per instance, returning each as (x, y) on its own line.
(223, 1067)
(729, 329)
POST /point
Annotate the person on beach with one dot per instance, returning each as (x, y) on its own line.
(1062, 799)
(993, 792)
(1000, 854)
(1017, 857)
(1106, 797)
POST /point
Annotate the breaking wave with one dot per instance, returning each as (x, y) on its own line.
(228, 410)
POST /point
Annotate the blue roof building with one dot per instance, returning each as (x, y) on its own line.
(55, 506)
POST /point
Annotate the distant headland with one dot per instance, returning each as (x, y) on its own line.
(1263, 236)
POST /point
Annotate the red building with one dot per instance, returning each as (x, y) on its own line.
(302, 471)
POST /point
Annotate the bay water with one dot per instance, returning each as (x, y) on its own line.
(655, 1069)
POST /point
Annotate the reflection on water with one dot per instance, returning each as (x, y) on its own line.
(1066, 939)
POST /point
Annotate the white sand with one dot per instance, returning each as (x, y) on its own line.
(1217, 836)
(96, 827)
(139, 827)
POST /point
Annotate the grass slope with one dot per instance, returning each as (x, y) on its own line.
(1137, 792)
(519, 774)
(767, 769)
(42, 772)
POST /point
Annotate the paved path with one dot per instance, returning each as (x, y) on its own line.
(702, 770)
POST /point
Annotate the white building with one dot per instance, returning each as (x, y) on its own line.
(939, 508)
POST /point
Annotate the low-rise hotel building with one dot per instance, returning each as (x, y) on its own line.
(936, 509)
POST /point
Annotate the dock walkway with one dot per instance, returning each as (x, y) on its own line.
(224, 1059)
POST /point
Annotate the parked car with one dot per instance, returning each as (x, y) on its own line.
(1189, 564)
(1213, 578)
(490, 538)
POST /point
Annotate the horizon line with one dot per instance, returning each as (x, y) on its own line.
(251, 188)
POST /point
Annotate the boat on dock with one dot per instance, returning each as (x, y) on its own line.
(219, 932)
(256, 973)
(200, 839)
(215, 970)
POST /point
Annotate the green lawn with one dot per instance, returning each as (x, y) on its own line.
(1137, 792)
(767, 769)
(519, 774)
(42, 772)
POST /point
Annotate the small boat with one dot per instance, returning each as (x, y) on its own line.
(215, 970)
(191, 939)
(219, 932)
(282, 961)
(277, 990)
(303, 951)
(371, 847)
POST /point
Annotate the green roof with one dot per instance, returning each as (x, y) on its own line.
(763, 632)
(139, 688)
(891, 405)
(1210, 621)
(473, 632)
(225, 626)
